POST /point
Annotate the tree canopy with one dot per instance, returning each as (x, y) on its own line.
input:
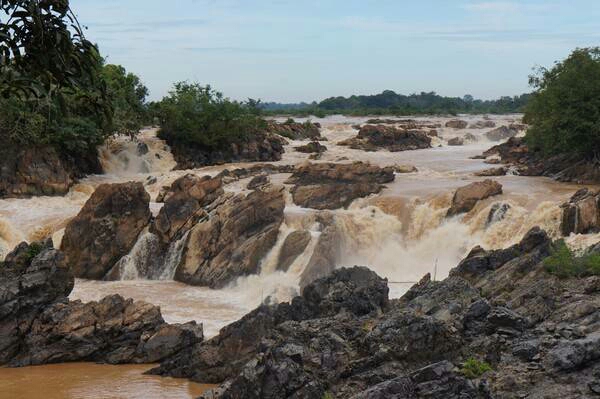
(564, 111)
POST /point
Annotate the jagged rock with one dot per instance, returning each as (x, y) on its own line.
(32, 171)
(296, 131)
(142, 148)
(184, 205)
(326, 252)
(457, 124)
(295, 243)
(482, 124)
(465, 198)
(39, 325)
(375, 137)
(500, 171)
(497, 213)
(456, 141)
(332, 186)
(233, 238)
(581, 214)
(312, 147)
(106, 228)
(258, 181)
(501, 133)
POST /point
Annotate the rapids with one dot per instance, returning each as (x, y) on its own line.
(401, 233)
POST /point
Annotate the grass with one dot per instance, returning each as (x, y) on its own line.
(564, 264)
(474, 368)
(327, 395)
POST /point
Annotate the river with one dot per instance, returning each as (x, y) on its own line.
(401, 233)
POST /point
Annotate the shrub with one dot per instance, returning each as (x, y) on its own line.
(564, 264)
(564, 111)
(195, 114)
(474, 368)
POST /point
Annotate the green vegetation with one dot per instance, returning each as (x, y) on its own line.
(564, 110)
(474, 368)
(34, 249)
(564, 264)
(327, 395)
(198, 115)
(391, 103)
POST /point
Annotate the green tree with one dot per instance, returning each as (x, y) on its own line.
(197, 114)
(564, 111)
(128, 96)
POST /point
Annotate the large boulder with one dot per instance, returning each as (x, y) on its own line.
(232, 239)
(106, 228)
(501, 133)
(482, 124)
(312, 147)
(457, 124)
(332, 186)
(294, 130)
(39, 325)
(184, 203)
(375, 137)
(581, 215)
(293, 245)
(465, 198)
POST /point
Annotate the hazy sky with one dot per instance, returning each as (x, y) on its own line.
(304, 50)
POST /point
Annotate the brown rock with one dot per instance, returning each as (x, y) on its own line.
(456, 141)
(184, 204)
(294, 130)
(312, 147)
(295, 243)
(501, 171)
(106, 228)
(581, 215)
(482, 124)
(326, 253)
(457, 124)
(501, 133)
(465, 198)
(375, 137)
(258, 181)
(233, 239)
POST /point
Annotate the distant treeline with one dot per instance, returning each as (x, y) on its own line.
(389, 102)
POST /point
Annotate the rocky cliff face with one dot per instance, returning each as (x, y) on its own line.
(343, 337)
(105, 229)
(39, 325)
(581, 215)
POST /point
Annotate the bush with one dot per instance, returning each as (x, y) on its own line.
(564, 264)
(195, 114)
(564, 111)
(474, 368)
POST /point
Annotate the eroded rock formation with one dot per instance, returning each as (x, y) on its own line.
(465, 198)
(377, 137)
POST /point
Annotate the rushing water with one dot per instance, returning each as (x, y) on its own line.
(402, 233)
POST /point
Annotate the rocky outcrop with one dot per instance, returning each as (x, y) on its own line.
(32, 171)
(261, 147)
(296, 131)
(465, 198)
(501, 133)
(563, 167)
(312, 147)
(377, 137)
(457, 124)
(39, 325)
(456, 141)
(581, 215)
(105, 229)
(184, 205)
(295, 243)
(500, 171)
(332, 186)
(233, 238)
(482, 124)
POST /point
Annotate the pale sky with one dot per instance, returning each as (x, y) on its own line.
(304, 50)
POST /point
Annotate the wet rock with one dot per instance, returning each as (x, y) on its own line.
(105, 229)
(332, 186)
(457, 124)
(456, 141)
(39, 325)
(312, 147)
(295, 243)
(465, 198)
(32, 171)
(405, 168)
(184, 205)
(581, 214)
(482, 124)
(326, 252)
(376, 137)
(232, 239)
(142, 148)
(296, 131)
(501, 133)
(500, 171)
(497, 213)
(258, 181)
